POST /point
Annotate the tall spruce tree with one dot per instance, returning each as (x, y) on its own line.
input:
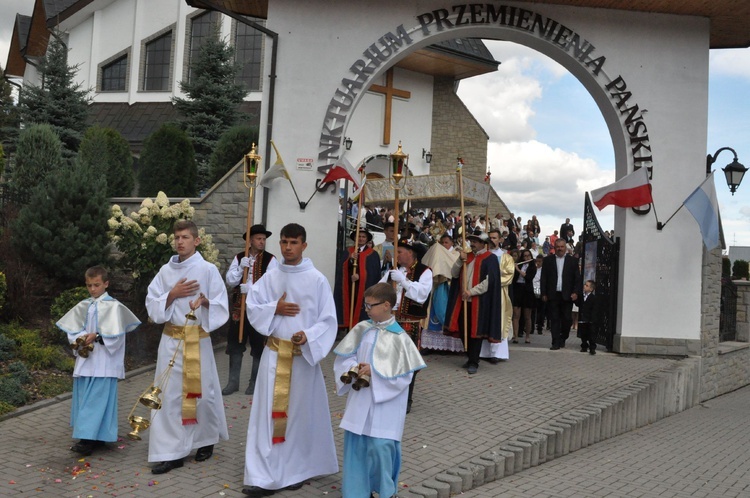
(106, 152)
(59, 101)
(63, 229)
(213, 100)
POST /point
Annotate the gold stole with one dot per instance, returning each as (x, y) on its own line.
(191, 367)
(286, 351)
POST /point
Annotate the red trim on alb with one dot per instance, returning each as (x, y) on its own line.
(278, 414)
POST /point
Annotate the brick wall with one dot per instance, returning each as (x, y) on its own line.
(455, 133)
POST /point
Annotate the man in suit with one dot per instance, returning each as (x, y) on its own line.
(560, 283)
(566, 230)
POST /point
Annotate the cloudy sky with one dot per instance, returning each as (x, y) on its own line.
(548, 141)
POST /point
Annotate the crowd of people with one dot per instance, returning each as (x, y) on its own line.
(491, 287)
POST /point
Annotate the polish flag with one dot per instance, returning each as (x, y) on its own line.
(342, 170)
(632, 190)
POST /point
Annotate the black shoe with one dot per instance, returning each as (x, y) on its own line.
(466, 365)
(408, 406)
(592, 351)
(554, 348)
(584, 350)
(165, 467)
(472, 369)
(294, 487)
(84, 447)
(230, 388)
(494, 361)
(250, 388)
(539, 332)
(256, 491)
(204, 453)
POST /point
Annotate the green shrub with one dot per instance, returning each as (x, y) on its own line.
(7, 348)
(65, 302)
(168, 164)
(106, 151)
(20, 372)
(740, 269)
(233, 144)
(39, 152)
(54, 385)
(6, 408)
(11, 391)
(31, 349)
(63, 228)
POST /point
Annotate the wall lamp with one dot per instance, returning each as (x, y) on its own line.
(427, 155)
(733, 172)
(348, 143)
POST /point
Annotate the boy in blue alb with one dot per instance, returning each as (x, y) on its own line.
(375, 363)
(96, 330)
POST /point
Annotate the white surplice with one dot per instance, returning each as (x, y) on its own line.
(168, 438)
(308, 450)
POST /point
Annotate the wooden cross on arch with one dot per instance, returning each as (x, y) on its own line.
(389, 92)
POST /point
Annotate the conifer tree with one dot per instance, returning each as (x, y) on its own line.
(59, 101)
(167, 164)
(38, 153)
(213, 99)
(9, 116)
(233, 144)
(63, 229)
(107, 153)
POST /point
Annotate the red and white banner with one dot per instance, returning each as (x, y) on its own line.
(632, 190)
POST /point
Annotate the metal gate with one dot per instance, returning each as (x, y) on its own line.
(600, 263)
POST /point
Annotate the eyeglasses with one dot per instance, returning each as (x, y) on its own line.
(368, 306)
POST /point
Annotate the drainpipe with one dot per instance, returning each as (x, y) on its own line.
(271, 87)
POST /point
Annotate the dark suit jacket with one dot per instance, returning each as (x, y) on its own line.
(591, 309)
(564, 229)
(571, 277)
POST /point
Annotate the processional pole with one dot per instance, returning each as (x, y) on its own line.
(487, 207)
(355, 252)
(398, 172)
(464, 281)
(250, 166)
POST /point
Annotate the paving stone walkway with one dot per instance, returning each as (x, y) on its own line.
(455, 417)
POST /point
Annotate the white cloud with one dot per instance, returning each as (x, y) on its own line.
(730, 62)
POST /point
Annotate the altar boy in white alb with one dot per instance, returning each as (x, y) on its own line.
(377, 348)
(96, 329)
(289, 436)
(195, 419)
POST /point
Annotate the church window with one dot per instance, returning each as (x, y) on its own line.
(114, 75)
(248, 44)
(158, 62)
(202, 27)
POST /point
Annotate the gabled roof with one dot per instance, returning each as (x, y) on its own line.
(16, 65)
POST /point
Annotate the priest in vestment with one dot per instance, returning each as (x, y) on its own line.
(496, 351)
(196, 419)
(367, 275)
(289, 436)
(482, 295)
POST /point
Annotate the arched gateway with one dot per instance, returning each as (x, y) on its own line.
(647, 72)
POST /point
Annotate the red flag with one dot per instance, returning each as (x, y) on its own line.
(342, 170)
(632, 190)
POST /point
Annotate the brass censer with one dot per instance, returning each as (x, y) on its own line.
(150, 397)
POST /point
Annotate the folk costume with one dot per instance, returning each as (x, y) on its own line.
(412, 300)
(368, 269)
(484, 319)
(187, 419)
(289, 436)
(499, 350)
(374, 417)
(258, 265)
(93, 412)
